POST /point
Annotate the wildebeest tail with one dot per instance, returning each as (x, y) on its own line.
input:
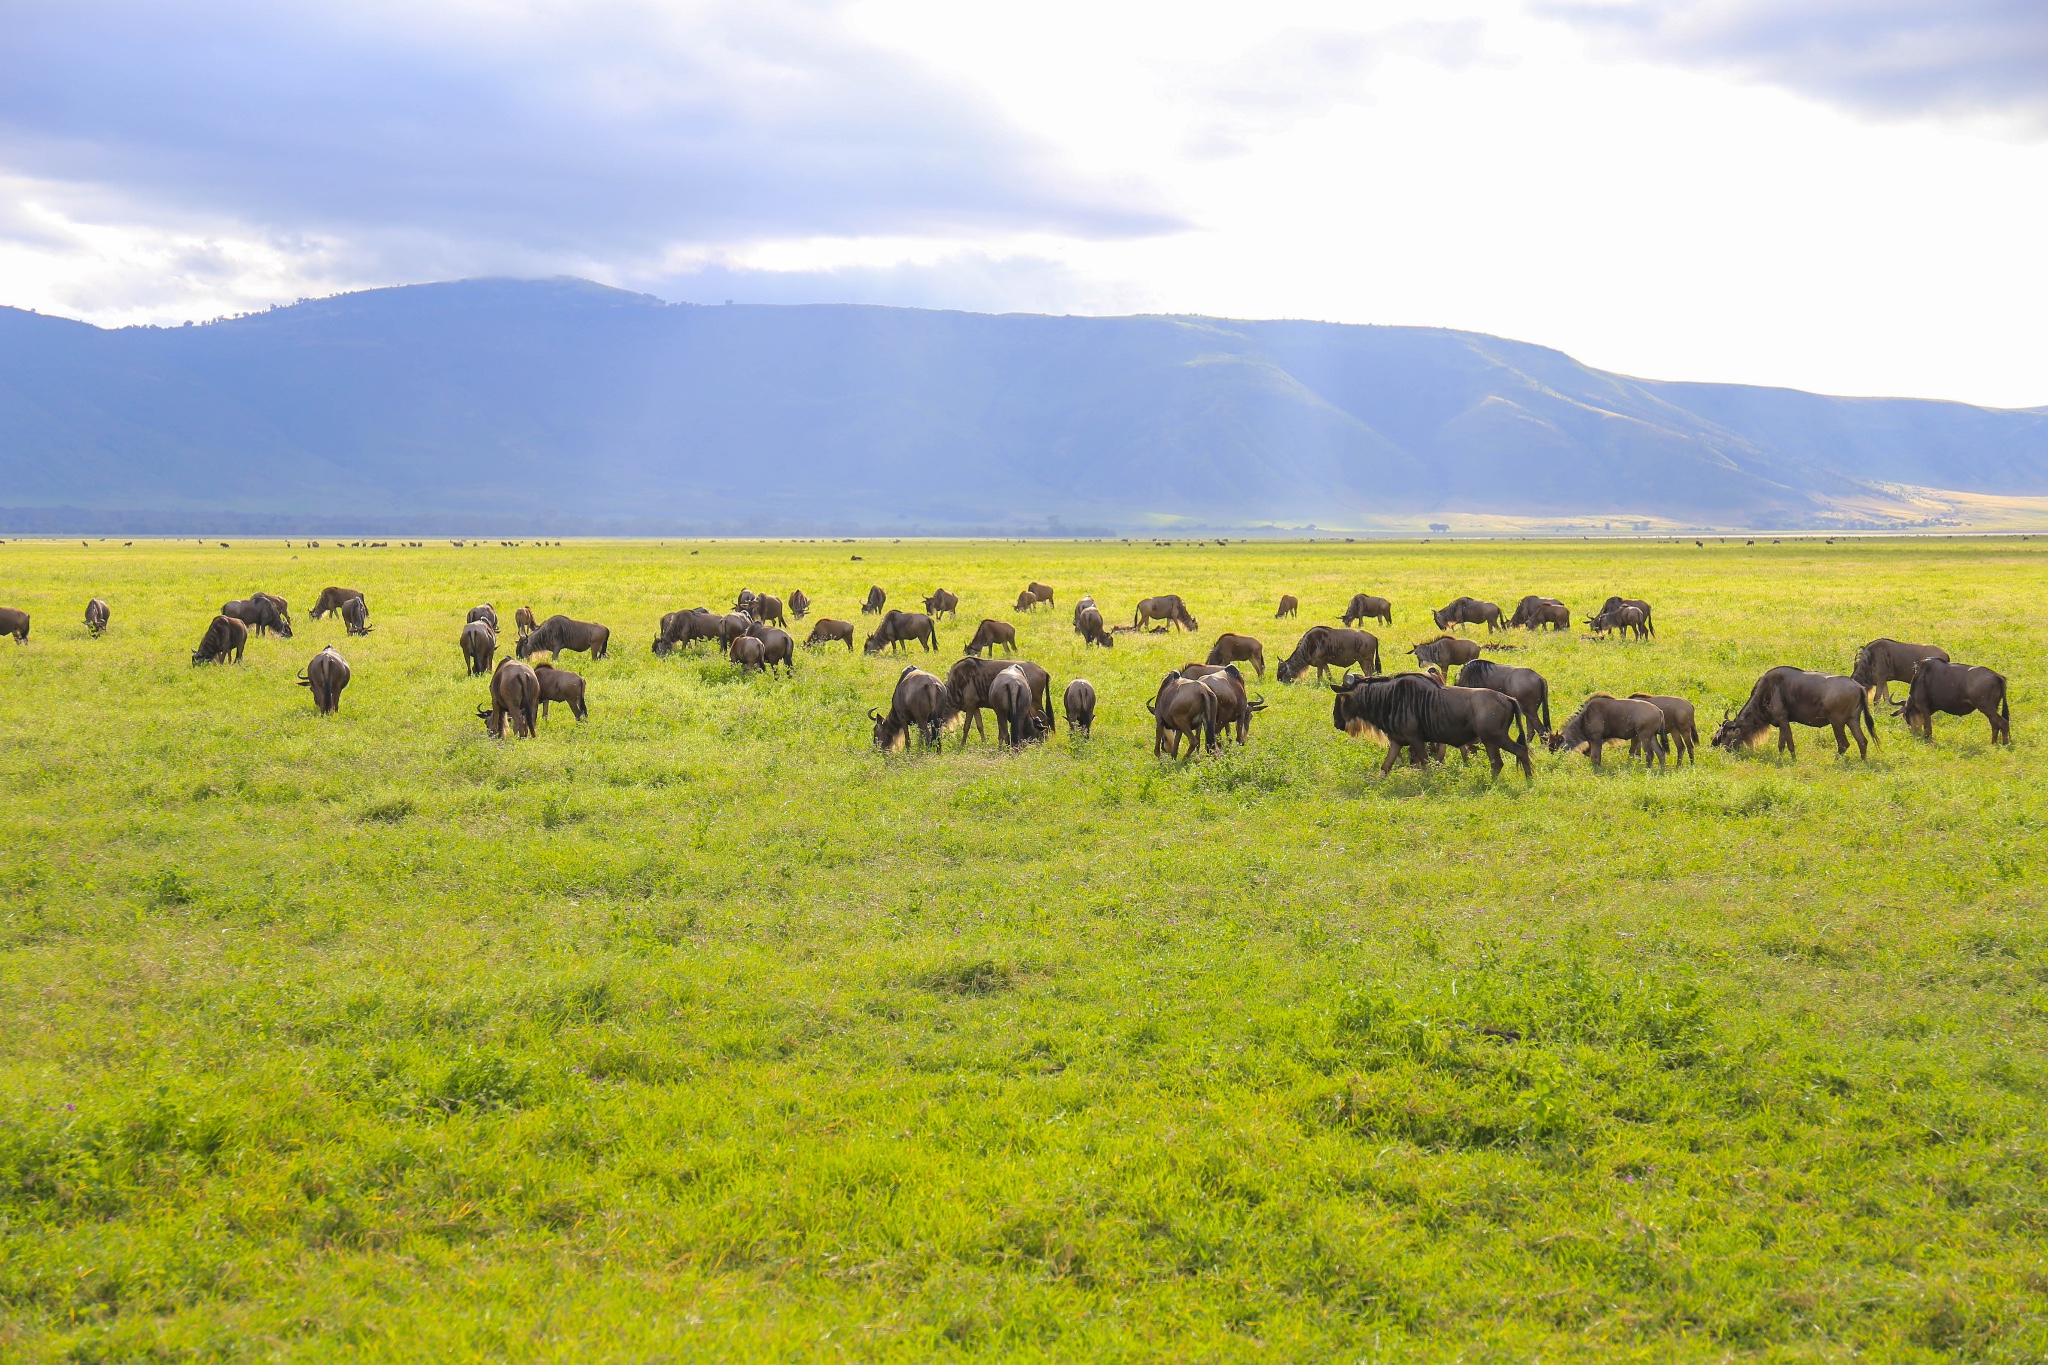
(1863, 705)
(1543, 701)
(1520, 732)
(304, 681)
(2004, 714)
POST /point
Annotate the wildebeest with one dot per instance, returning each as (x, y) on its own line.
(1603, 719)
(744, 602)
(355, 616)
(1079, 607)
(14, 621)
(479, 645)
(1289, 605)
(284, 608)
(1165, 608)
(877, 599)
(1040, 592)
(523, 621)
(1678, 723)
(1649, 626)
(1413, 712)
(897, 628)
(778, 650)
(941, 603)
(96, 614)
(967, 683)
(767, 607)
(1951, 689)
(260, 614)
(1627, 618)
(1525, 685)
(1468, 611)
(326, 674)
(1786, 696)
(1234, 705)
(515, 694)
(486, 613)
(1025, 601)
(559, 684)
(1079, 703)
(1231, 648)
(558, 634)
(1883, 662)
(679, 628)
(1366, 607)
(1326, 647)
(1088, 621)
(991, 633)
(1182, 708)
(1534, 613)
(826, 630)
(921, 702)
(1446, 652)
(747, 651)
(331, 599)
(222, 643)
(1018, 719)
(729, 627)
(799, 604)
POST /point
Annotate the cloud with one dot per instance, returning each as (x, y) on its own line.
(1886, 57)
(972, 280)
(492, 133)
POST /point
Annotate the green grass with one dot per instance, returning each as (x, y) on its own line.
(702, 1030)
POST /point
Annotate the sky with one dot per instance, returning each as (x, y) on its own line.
(1848, 196)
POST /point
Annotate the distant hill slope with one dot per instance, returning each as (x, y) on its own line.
(565, 404)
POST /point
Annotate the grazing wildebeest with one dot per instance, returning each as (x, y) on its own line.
(284, 608)
(479, 645)
(1413, 712)
(744, 603)
(1234, 706)
(1079, 607)
(524, 621)
(559, 684)
(729, 627)
(1289, 606)
(1525, 685)
(96, 614)
(777, 648)
(355, 616)
(1678, 723)
(222, 643)
(679, 628)
(747, 652)
(1079, 703)
(486, 613)
(967, 683)
(921, 702)
(14, 622)
(1616, 603)
(941, 603)
(1166, 608)
(1182, 707)
(825, 630)
(991, 633)
(1025, 601)
(260, 614)
(515, 693)
(1088, 621)
(1951, 689)
(1534, 613)
(799, 604)
(1468, 611)
(1326, 647)
(331, 599)
(326, 674)
(558, 634)
(1231, 648)
(768, 607)
(1603, 719)
(897, 628)
(1786, 696)
(1627, 618)
(1883, 662)
(877, 599)
(1040, 592)
(1366, 607)
(1017, 716)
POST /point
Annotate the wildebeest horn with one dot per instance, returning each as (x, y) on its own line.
(873, 714)
(483, 713)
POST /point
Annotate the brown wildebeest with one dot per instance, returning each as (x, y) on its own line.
(799, 604)
(1883, 662)
(679, 628)
(745, 601)
(1627, 618)
(729, 627)
(1616, 603)
(222, 643)
(826, 630)
(14, 622)
(355, 616)
(1366, 607)
(284, 608)
(1534, 613)
(1232, 649)
(877, 599)
(747, 652)
(1079, 703)
(898, 628)
(777, 648)
(260, 614)
(921, 702)
(1525, 685)
(991, 633)
(1040, 592)
(1603, 719)
(941, 603)
(486, 613)
(1951, 689)
(1289, 606)
(1234, 706)
(559, 684)
(1468, 611)
(326, 674)
(967, 684)
(1166, 608)
(1079, 607)
(1326, 647)
(96, 614)
(515, 693)
(331, 600)
(558, 634)
(1413, 712)
(1786, 696)
(767, 607)
(1678, 723)
(1182, 707)
(479, 645)
(1018, 719)
(524, 621)
(1088, 621)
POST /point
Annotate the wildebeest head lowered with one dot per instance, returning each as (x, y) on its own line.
(223, 641)
(515, 696)
(778, 649)
(1018, 720)
(1366, 607)
(1953, 689)
(825, 631)
(1289, 605)
(1040, 592)
(96, 614)
(1446, 652)
(1182, 708)
(14, 621)
(920, 702)
(558, 634)
(1234, 706)
(326, 675)
(799, 604)
(746, 651)
(1534, 613)
(897, 628)
(1883, 662)
(523, 620)
(260, 614)
(1615, 604)
(331, 600)
(1525, 685)
(967, 683)
(355, 616)
(1626, 618)
(876, 600)
(1231, 648)
(1088, 621)
(1786, 696)
(485, 613)
(479, 646)
(1167, 607)
(1079, 703)
(991, 633)
(1679, 725)
(1413, 712)
(1326, 647)
(1604, 719)
(1468, 611)
(941, 603)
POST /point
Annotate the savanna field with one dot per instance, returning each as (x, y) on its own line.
(703, 1031)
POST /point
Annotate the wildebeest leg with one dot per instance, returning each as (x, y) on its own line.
(1594, 747)
(1493, 756)
(1785, 744)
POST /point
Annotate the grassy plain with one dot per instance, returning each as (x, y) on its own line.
(703, 1031)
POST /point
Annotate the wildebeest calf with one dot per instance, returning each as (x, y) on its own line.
(1678, 723)
(1883, 662)
(559, 684)
(1366, 607)
(1167, 607)
(1289, 605)
(1232, 648)
(1326, 647)
(1525, 685)
(1446, 652)
(515, 696)
(1603, 719)
(991, 633)
(1079, 704)
(1955, 690)
(479, 645)
(825, 630)
(326, 675)
(746, 651)
(222, 643)
(355, 616)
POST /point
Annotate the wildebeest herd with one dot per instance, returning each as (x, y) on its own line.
(1455, 699)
